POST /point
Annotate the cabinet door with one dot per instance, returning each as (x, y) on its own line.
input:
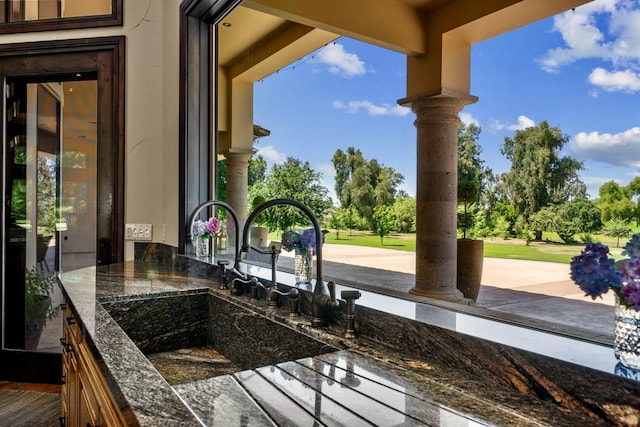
(88, 409)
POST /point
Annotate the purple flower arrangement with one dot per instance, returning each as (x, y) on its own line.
(595, 273)
(304, 242)
(205, 229)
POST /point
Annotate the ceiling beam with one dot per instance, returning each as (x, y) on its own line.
(478, 21)
(370, 21)
(287, 44)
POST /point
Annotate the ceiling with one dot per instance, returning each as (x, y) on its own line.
(261, 36)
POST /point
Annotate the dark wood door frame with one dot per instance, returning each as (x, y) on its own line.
(104, 57)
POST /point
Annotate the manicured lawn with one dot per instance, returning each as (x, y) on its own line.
(533, 252)
(552, 250)
(363, 238)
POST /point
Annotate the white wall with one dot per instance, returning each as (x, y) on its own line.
(151, 28)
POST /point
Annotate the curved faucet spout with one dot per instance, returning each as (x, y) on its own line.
(322, 300)
(303, 208)
(234, 216)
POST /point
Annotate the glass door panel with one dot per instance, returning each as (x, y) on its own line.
(50, 193)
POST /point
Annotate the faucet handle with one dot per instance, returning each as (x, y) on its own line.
(350, 297)
(222, 263)
(331, 285)
(293, 302)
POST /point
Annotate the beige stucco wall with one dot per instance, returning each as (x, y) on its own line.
(151, 28)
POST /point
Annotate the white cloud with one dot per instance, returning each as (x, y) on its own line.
(328, 179)
(621, 149)
(606, 30)
(626, 81)
(340, 62)
(522, 123)
(583, 39)
(271, 155)
(371, 108)
(326, 169)
(468, 119)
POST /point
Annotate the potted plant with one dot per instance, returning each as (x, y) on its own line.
(470, 251)
(471, 176)
(38, 308)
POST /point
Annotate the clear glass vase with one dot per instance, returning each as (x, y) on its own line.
(201, 246)
(303, 267)
(626, 342)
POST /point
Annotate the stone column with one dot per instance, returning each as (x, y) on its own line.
(238, 183)
(436, 193)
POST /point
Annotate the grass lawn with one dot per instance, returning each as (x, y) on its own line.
(551, 249)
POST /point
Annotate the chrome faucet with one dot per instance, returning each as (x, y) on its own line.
(322, 300)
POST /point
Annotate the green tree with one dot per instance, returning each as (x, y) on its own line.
(546, 219)
(364, 184)
(404, 211)
(617, 228)
(615, 201)
(539, 176)
(296, 180)
(472, 175)
(338, 221)
(634, 190)
(384, 221)
(568, 219)
(257, 169)
(46, 195)
(577, 216)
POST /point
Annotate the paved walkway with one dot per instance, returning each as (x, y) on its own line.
(533, 289)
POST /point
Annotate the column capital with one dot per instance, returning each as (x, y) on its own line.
(237, 153)
(443, 94)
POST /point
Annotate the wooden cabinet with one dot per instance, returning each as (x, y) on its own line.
(86, 399)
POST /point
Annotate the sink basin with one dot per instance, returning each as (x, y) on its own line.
(192, 336)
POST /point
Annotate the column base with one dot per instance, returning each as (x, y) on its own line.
(456, 296)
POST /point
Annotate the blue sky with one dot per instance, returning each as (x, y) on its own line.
(580, 71)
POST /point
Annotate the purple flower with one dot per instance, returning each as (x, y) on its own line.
(290, 240)
(632, 248)
(594, 272)
(213, 226)
(631, 294)
(630, 269)
(308, 238)
(198, 230)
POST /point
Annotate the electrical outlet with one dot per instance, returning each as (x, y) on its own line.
(142, 232)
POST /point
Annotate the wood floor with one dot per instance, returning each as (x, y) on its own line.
(46, 388)
(29, 405)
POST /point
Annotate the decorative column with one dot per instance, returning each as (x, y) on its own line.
(238, 183)
(436, 193)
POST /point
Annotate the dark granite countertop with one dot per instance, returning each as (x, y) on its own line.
(422, 368)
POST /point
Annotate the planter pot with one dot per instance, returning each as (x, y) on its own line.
(259, 236)
(470, 260)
